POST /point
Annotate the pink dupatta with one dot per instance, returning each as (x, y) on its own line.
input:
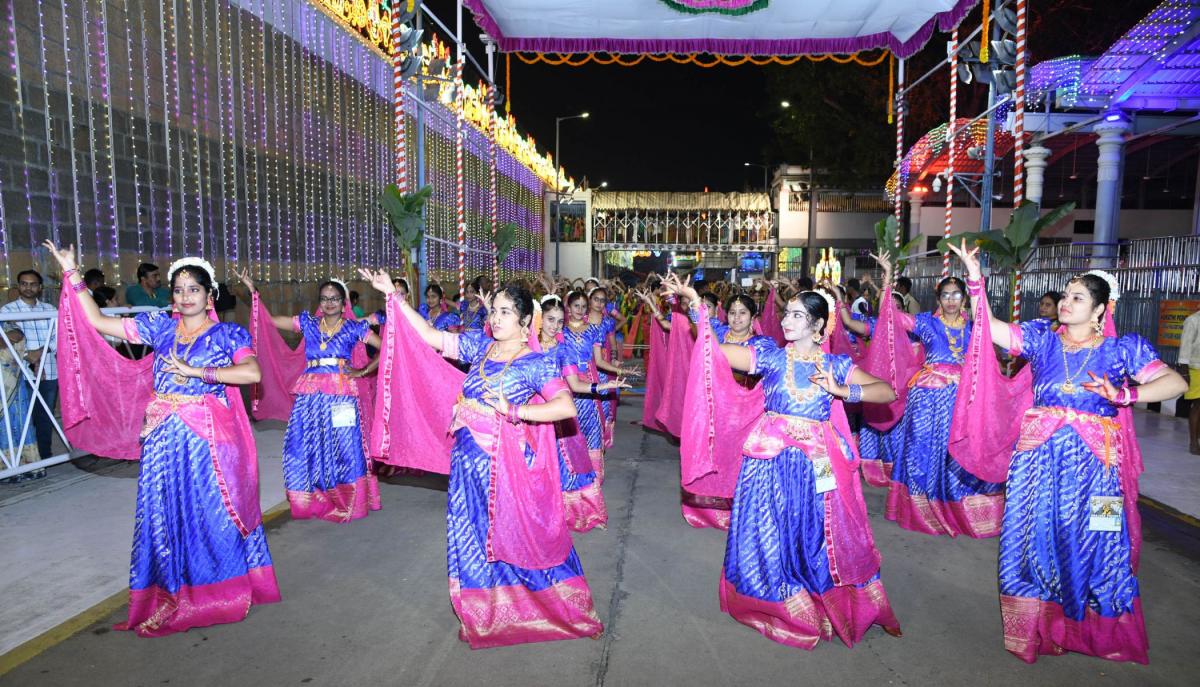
(890, 357)
(710, 450)
(416, 392)
(656, 364)
(769, 319)
(679, 351)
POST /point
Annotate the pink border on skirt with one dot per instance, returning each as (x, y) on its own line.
(503, 616)
(705, 512)
(977, 516)
(343, 503)
(804, 619)
(597, 456)
(1033, 627)
(876, 472)
(155, 612)
(584, 508)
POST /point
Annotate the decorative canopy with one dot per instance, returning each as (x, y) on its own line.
(681, 200)
(929, 155)
(720, 27)
(1154, 66)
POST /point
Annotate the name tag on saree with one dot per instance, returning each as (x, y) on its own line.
(823, 475)
(343, 415)
(1105, 513)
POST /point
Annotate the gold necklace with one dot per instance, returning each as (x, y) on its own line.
(492, 381)
(952, 334)
(1069, 386)
(736, 338)
(794, 359)
(326, 334)
(185, 336)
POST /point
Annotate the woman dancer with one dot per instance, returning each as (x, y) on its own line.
(929, 491)
(436, 313)
(585, 336)
(701, 510)
(581, 490)
(199, 553)
(514, 575)
(472, 313)
(325, 467)
(600, 315)
(1071, 534)
(800, 562)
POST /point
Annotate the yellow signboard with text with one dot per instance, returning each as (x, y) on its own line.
(1171, 315)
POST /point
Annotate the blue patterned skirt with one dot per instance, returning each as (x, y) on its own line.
(499, 604)
(325, 468)
(930, 492)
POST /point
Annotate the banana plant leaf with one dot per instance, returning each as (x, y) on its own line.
(886, 230)
(405, 213)
(1010, 247)
(506, 240)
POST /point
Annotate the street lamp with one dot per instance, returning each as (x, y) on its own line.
(603, 184)
(784, 104)
(765, 169)
(558, 188)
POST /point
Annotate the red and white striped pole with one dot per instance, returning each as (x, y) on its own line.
(900, 185)
(951, 148)
(460, 187)
(1019, 142)
(398, 104)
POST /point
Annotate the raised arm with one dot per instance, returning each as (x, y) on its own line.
(108, 326)
(655, 312)
(283, 322)
(741, 358)
(1001, 331)
(382, 282)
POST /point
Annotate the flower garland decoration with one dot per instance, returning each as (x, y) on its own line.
(729, 7)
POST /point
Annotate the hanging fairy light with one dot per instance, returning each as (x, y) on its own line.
(71, 133)
(52, 168)
(15, 56)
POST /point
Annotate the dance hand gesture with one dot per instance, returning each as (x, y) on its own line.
(969, 258)
(1102, 386)
(496, 401)
(381, 280)
(886, 265)
(619, 383)
(825, 380)
(244, 277)
(64, 256)
(173, 365)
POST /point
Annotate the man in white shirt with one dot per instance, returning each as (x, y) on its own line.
(41, 346)
(1189, 357)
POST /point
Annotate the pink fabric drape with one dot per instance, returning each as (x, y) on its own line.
(525, 506)
(769, 317)
(679, 351)
(839, 342)
(96, 417)
(656, 364)
(416, 393)
(890, 357)
(710, 449)
(988, 408)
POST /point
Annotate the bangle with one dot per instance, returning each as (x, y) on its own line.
(855, 395)
(209, 376)
(77, 286)
(593, 388)
(671, 298)
(514, 413)
(1126, 397)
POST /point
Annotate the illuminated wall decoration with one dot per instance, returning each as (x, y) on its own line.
(254, 132)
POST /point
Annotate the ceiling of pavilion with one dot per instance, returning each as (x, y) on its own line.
(722, 27)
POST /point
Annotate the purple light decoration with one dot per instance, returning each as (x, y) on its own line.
(209, 226)
(51, 168)
(189, 18)
(86, 26)
(14, 55)
(169, 23)
(102, 29)
(71, 130)
(229, 194)
(264, 205)
(137, 185)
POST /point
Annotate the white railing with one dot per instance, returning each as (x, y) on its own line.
(18, 442)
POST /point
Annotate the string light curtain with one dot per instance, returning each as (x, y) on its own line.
(249, 131)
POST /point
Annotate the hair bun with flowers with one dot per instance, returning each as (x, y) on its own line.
(339, 282)
(832, 309)
(193, 262)
(1114, 288)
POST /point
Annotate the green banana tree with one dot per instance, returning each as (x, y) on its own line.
(887, 244)
(406, 214)
(1009, 248)
(506, 240)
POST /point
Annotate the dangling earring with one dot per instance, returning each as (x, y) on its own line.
(817, 338)
(1098, 326)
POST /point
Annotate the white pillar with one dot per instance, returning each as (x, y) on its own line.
(916, 198)
(1111, 142)
(1035, 173)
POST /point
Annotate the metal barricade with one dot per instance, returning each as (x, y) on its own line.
(22, 395)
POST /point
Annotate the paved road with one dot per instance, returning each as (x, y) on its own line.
(366, 604)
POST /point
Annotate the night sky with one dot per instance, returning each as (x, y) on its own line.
(683, 128)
